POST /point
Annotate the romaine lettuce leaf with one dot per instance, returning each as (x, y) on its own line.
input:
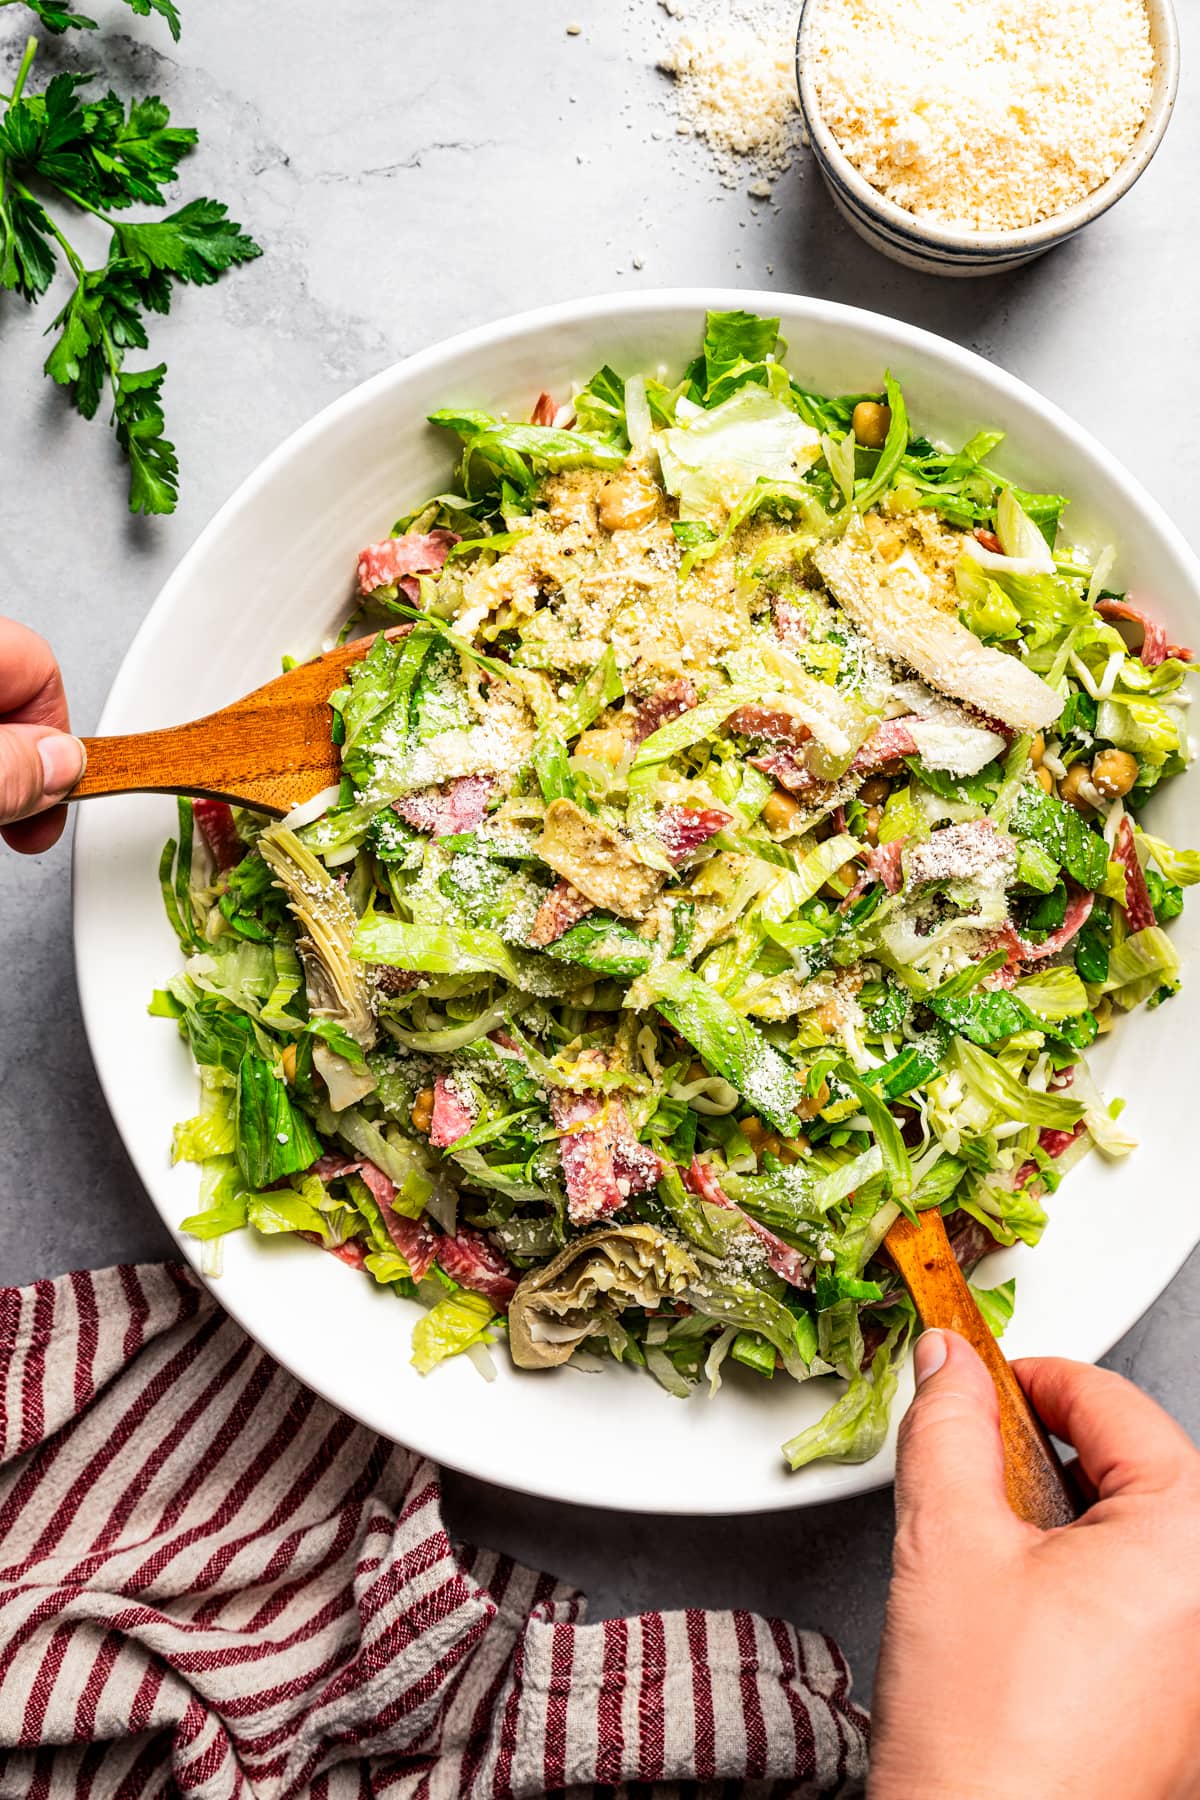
(1058, 830)
(283, 1211)
(211, 1133)
(1010, 1099)
(375, 698)
(274, 1138)
(728, 1044)
(434, 949)
(448, 1328)
(712, 459)
(1139, 965)
(602, 944)
(1053, 994)
(497, 451)
(985, 1018)
(600, 408)
(874, 486)
(853, 1429)
(1009, 1214)
(996, 1304)
(884, 1129)
(753, 1309)
(736, 344)
(984, 607)
(550, 747)
(1149, 728)
(223, 1201)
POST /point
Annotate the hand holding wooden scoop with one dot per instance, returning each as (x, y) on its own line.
(1038, 1486)
(273, 750)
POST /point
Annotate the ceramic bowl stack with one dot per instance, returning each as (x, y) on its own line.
(946, 249)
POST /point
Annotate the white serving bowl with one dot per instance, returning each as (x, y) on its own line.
(945, 249)
(273, 572)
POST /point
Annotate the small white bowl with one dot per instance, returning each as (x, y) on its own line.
(944, 249)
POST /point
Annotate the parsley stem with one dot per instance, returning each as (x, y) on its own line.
(86, 205)
(77, 268)
(31, 49)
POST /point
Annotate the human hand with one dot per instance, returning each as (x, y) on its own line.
(39, 760)
(1018, 1663)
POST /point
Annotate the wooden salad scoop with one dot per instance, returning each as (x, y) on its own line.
(1039, 1488)
(271, 750)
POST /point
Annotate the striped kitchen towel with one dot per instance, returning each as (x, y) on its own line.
(213, 1584)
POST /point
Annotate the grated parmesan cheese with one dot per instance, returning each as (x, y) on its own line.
(987, 115)
(735, 86)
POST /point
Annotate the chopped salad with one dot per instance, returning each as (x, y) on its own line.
(738, 846)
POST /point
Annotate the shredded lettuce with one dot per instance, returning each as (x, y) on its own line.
(273, 1137)
(855, 1426)
(728, 1044)
(711, 458)
(996, 1304)
(499, 451)
(1008, 1098)
(434, 949)
(450, 1327)
(836, 1053)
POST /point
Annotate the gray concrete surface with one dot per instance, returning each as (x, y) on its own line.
(411, 170)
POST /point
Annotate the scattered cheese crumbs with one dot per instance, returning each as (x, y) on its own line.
(987, 115)
(973, 852)
(735, 86)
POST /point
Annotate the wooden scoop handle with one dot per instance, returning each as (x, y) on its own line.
(1039, 1488)
(271, 750)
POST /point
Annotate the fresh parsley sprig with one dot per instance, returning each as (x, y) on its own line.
(103, 157)
(58, 15)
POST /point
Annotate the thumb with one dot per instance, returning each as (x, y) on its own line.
(37, 767)
(949, 1457)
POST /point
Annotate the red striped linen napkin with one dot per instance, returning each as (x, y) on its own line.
(214, 1584)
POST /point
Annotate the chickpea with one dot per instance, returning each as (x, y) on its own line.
(696, 1071)
(792, 1150)
(422, 1110)
(871, 423)
(887, 542)
(1114, 773)
(875, 791)
(760, 1140)
(626, 502)
(1037, 749)
(287, 1063)
(873, 821)
(781, 811)
(826, 1016)
(603, 745)
(1069, 787)
(1044, 780)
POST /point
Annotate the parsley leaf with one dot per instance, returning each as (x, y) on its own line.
(102, 157)
(58, 16)
(197, 243)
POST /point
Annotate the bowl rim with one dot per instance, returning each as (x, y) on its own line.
(918, 233)
(90, 849)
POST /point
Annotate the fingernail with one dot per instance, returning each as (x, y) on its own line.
(62, 763)
(929, 1355)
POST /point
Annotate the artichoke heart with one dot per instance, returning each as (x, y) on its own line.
(594, 1278)
(336, 984)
